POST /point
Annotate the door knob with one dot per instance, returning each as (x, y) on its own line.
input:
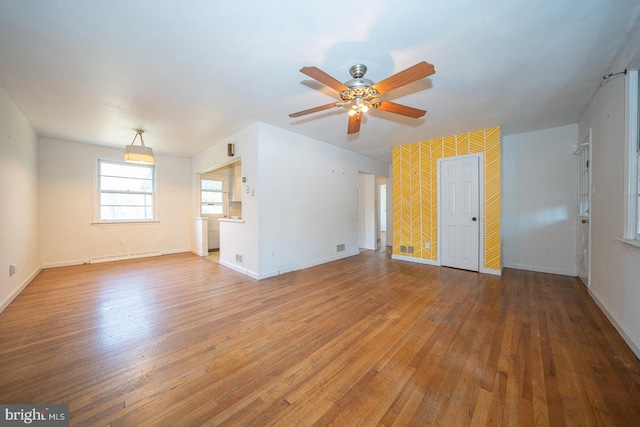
(474, 219)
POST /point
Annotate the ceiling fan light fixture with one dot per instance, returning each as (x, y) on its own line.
(364, 94)
(359, 106)
(138, 154)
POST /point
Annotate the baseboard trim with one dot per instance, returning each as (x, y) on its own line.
(13, 295)
(491, 271)
(260, 276)
(238, 268)
(122, 257)
(112, 258)
(626, 335)
(65, 263)
(416, 260)
(560, 271)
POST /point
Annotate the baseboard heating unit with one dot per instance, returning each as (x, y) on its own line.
(122, 257)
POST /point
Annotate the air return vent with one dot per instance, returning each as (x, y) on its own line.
(340, 247)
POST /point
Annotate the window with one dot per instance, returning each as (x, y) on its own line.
(632, 167)
(211, 200)
(637, 194)
(583, 179)
(636, 143)
(126, 191)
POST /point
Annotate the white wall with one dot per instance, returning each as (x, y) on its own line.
(235, 238)
(308, 200)
(615, 266)
(67, 187)
(19, 233)
(539, 197)
(299, 200)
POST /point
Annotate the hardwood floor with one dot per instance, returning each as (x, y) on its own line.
(178, 340)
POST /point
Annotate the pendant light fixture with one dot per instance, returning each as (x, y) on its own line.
(138, 154)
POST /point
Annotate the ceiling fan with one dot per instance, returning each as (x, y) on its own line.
(363, 94)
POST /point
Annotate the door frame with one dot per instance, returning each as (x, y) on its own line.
(481, 209)
(367, 211)
(585, 144)
(198, 195)
(383, 212)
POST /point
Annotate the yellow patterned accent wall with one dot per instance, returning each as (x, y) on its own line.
(415, 192)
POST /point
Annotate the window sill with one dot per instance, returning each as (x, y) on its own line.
(155, 221)
(237, 220)
(634, 243)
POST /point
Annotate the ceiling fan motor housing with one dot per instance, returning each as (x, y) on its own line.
(359, 87)
(357, 72)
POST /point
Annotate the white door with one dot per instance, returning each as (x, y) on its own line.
(367, 211)
(459, 212)
(584, 178)
(383, 207)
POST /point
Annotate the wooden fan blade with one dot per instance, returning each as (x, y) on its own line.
(313, 110)
(393, 107)
(354, 124)
(411, 74)
(322, 77)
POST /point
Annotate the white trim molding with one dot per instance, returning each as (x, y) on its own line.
(630, 232)
(13, 295)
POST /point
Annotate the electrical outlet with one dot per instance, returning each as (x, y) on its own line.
(273, 253)
(121, 242)
(427, 245)
(12, 269)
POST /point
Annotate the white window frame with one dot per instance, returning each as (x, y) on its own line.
(97, 217)
(632, 160)
(219, 178)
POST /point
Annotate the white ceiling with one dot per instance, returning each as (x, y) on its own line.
(193, 72)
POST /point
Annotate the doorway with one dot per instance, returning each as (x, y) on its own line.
(213, 205)
(367, 232)
(583, 154)
(382, 209)
(459, 191)
(220, 196)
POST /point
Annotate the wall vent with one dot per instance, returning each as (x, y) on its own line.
(403, 249)
(239, 258)
(341, 247)
(410, 249)
(121, 257)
